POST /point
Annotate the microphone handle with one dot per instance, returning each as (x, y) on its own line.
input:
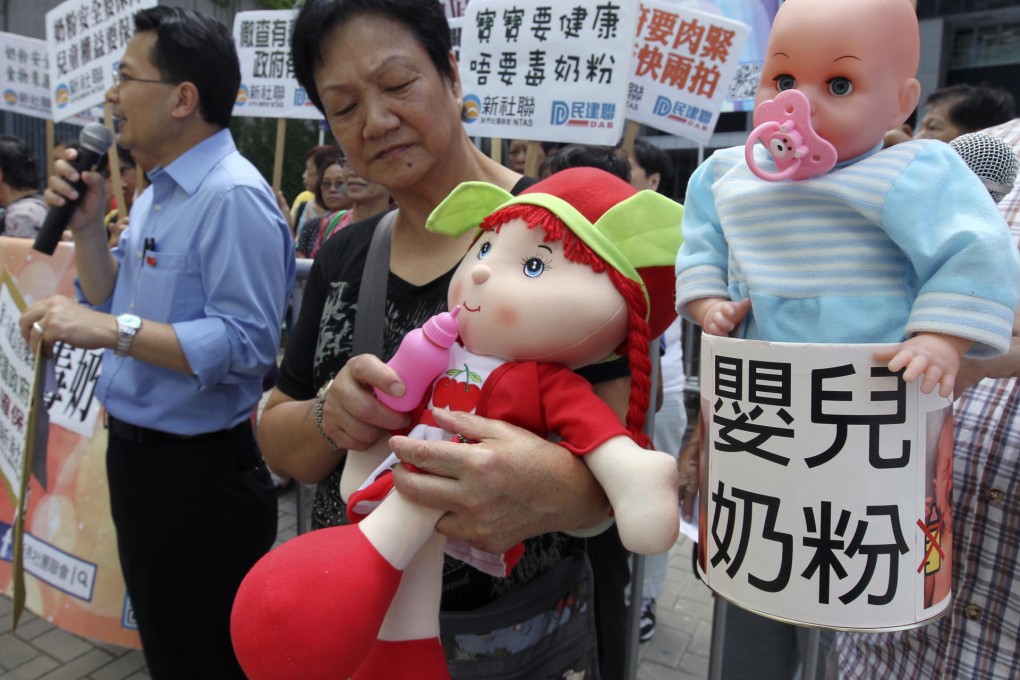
(58, 216)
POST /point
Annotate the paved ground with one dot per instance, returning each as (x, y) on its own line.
(679, 650)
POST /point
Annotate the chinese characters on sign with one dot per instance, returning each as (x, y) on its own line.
(86, 39)
(268, 88)
(684, 61)
(826, 495)
(16, 370)
(72, 402)
(547, 71)
(25, 80)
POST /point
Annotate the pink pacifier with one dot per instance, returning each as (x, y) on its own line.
(784, 128)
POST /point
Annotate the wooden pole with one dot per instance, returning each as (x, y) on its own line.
(496, 150)
(629, 135)
(114, 160)
(531, 161)
(51, 140)
(281, 135)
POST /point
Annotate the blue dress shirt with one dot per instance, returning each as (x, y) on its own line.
(208, 252)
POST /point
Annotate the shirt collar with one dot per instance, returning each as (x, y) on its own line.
(190, 168)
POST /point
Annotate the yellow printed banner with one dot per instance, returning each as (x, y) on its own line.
(69, 552)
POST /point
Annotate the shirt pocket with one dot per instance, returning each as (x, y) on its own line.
(169, 287)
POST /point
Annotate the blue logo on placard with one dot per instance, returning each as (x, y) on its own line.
(472, 109)
(11, 97)
(583, 114)
(242, 95)
(62, 95)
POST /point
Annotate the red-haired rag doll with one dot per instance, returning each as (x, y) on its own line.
(576, 269)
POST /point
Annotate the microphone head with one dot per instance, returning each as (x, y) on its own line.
(96, 137)
(992, 160)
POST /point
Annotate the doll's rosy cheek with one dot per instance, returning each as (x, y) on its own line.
(456, 292)
(506, 316)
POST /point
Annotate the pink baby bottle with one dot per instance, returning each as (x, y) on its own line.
(423, 355)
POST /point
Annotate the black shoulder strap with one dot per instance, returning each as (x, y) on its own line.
(368, 321)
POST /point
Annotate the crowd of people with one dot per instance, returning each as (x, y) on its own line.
(206, 331)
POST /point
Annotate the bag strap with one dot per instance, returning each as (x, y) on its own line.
(368, 321)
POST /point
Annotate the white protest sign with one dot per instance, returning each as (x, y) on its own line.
(547, 72)
(268, 87)
(825, 486)
(17, 368)
(683, 62)
(25, 76)
(86, 40)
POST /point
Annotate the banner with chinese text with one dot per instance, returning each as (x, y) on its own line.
(684, 60)
(542, 71)
(268, 87)
(25, 76)
(73, 576)
(86, 40)
(825, 486)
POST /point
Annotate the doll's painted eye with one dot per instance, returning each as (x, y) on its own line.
(484, 250)
(785, 81)
(841, 87)
(534, 266)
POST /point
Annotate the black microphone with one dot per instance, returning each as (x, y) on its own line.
(992, 160)
(94, 141)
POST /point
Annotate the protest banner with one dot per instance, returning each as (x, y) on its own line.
(85, 40)
(684, 60)
(825, 486)
(69, 549)
(544, 72)
(25, 76)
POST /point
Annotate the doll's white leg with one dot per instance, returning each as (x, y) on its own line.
(642, 488)
(399, 528)
(414, 611)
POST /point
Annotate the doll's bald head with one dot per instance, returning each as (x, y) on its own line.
(854, 59)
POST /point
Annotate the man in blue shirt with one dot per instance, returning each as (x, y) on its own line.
(189, 308)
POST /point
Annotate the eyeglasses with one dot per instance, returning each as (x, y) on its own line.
(334, 186)
(122, 78)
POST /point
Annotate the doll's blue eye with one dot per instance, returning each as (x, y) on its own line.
(785, 82)
(484, 250)
(840, 87)
(533, 267)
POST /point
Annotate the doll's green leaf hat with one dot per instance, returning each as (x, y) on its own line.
(635, 232)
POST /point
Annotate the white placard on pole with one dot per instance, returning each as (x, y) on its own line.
(268, 87)
(548, 72)
(684, 60)
(25, 76)
(86, 40)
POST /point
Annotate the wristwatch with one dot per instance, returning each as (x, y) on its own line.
(127, 326)
(320, 401)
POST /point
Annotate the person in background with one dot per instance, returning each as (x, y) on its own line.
(518, 153)
(650, 169)
(958, 109)
(384, 73)
(191, 327)
(977, 637)
(332, 195)
(24, 209)
(608, 158)
(308, 204)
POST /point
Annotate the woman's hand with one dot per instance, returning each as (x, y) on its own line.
(352, 416)
(506, 486)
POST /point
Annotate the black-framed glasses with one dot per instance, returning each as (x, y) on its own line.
(122, 78)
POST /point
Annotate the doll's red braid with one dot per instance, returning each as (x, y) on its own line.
(635, 345)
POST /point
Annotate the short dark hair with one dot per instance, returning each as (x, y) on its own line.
(191, 47)
(652, 159)
(975, 107)
(325, 156)
(18, 163)
(425, 19)
(608, 158)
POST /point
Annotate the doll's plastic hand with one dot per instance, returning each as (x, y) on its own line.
(351, 415)
(934, 355)
(508, 486)
(719, 316)
(688, 469)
